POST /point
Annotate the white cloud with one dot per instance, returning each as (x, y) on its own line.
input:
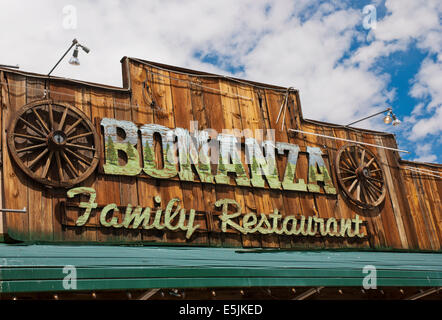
(290, 43)
(408, 20)
(426, 126)
(415, 21)
(428, 83)
(425, 153)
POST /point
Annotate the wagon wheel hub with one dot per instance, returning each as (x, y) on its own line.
(360, 176)
(363, 173)
(53, 143)
(56, 140)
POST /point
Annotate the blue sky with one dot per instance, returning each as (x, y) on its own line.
(343, 69)
(399, 66)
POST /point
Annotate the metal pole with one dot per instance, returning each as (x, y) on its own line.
(14, 210)
(74, 42)
(373, 115)
(347, 140)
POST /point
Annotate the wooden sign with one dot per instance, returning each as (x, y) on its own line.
(184, 157)
(191, 151)
(174, 217)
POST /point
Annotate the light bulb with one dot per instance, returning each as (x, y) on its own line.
(74, 59)
(387, 119)
(396, 122)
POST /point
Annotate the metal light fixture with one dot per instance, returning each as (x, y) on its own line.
(390, 117)
(387, 118)
(396, 121)
(74, 59)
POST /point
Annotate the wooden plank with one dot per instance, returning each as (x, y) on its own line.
(3, 105)
(398, 181)
(3, 97)
(142, 113)
(288, 202)
(231, 119)
(107, 186)
(396, 210)
(162, 95)
(416, 216)
(201, 114)
(324, 205)
(341, 207)
(183, 115)
(60, 93)
(128, 185)
(311, 204)
(246, 111)
(40, 211)
(382, 220)
(433, 202)
(433, 188)
(429, 225)
(15, 181)
(78, 98)
(213, 106)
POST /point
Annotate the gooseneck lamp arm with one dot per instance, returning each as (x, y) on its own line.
(373, 115)
(74, 42)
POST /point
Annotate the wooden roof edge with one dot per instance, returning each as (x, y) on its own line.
(427, 164)
(203, 73)
(337, 126)
(68, 80)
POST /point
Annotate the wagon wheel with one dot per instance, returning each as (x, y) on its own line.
(53, 143)
(360, 175)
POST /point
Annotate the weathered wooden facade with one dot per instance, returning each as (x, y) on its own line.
(407, 216)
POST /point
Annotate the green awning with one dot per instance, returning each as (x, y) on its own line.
(38, 268)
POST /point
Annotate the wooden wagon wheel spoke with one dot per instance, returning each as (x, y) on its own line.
(358, 192)
(347, 171)
(63, 119)
(362, 158)
(70, 165)
(51, 116)
(360, 176)
(347, 165)
(27, 136)
(364, 193)
(370, 162)
(79, 136)
(40, 120)
(37, 146)
(41, 139)
(374, 179)
(47, 165)
(374, 187)
(371, 196)
(41, 133)
(350, 158)
(353, 185)
(348, 178)
(79, 146)
(71, 128)
(80, 158)
(59, 166)
(38, 158)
